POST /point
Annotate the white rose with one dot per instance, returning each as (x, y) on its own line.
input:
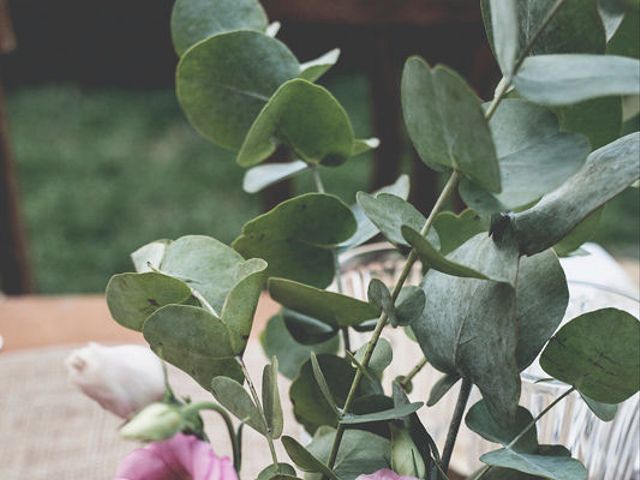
(122, 379)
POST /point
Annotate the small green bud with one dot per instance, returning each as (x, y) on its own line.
(155, 422)
(405, 456)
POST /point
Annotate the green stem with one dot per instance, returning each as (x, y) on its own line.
(456, 421)
(406, 380)
(529, 426)
(382, 321)
(235, 444)
(256, 399)
(317, 179)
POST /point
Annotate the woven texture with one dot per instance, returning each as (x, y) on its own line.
(52, 431)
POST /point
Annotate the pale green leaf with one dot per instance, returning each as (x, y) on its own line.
(306, 118)
(263, 176)
(195, 20)
(237, 400)
(297, 236)
(597, 353)
(446, 124)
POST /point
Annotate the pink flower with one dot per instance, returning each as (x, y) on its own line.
(182, 457)
(384, 474)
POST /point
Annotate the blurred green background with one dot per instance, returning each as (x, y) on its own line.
(103, 171)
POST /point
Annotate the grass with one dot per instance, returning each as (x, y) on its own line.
(103, 172)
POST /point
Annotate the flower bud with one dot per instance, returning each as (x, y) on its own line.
(155, 422)
(405, 456)
(122, 379)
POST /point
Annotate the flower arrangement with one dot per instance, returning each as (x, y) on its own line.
(535, 166)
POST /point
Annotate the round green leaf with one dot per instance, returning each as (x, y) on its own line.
(297, 236)
(132, 297)
(224, 82)
(446, 123)
(597, 353)
(306, 118)
(237, 400)
(195, 20)
(193, 340)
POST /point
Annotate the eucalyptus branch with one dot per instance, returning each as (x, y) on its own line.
(524, 431)
(317, 178)
(256, 399)
(505, 83)
(406, 380)
(382, 320)
(235, 443)
(501, 91)
(456, 421)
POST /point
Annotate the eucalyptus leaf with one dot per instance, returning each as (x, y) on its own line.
(306, 118)
(604, 411)
(597, 353)
(132, 297)
(535, 157)
(606, 173)
(223, 82)
(271, 399)
(363, 145)
(498, 473)
(366, 230)
(626, 40)
(275, 472)
(421, 438)
(446, 123)
(433, 259)
(309, 405)
(277, 341)
(442, 387)
(612, 13)
(480, 421)
(382, 416)
(334, 309)
(193, 340)
(149, 256)
(542, 297)
(482, 256)
(205, 264)
(554, 467)
(389, 213)
(314, 69)
(322, 383)
(581, 233)
(475, 338)
(575, 28)
(193, 21)
(453, 230)
(307, 330)
(237, 400)
(600, 119)
(381, 357)
(240, 305)
(360, 452)
(504, 24)
(305, 460)
(297, 236)
(263, 176)
(564, 79)
(409, 305)
(380, 296)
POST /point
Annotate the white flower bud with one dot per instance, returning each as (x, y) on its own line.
(155, 422)
(122, 379)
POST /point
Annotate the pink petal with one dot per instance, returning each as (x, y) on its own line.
(144, 464)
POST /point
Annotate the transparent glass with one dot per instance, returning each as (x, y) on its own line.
(609, 450)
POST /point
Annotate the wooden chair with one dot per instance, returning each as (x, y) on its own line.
(15, 274)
